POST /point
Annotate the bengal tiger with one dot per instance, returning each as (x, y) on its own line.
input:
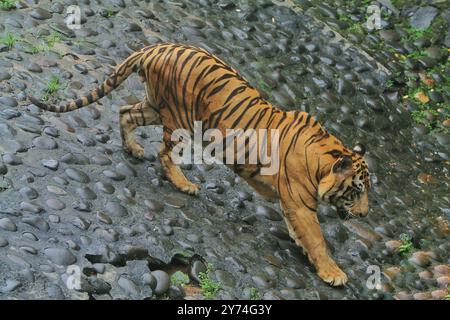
(184, 84)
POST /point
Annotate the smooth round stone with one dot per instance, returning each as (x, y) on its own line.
(245, 196)
(8, 101)
(80, 68)
(40, 14)
(225, 278)
(442, 138)
(126, 169)
(8, 225)
(103, 217)
(77, 175)
(86, 193)
(19, 261)
(100, 160)
(150, 280)
(55, 204)
(295, 283)
(60, 256)
(279, 232)
(174, 202)
(44, 143)
(30, 207)
(420, 258)
(3, 242)
(81, 205)
(10, 285)
(53, 218)
(37, 222)
(114, 175)
(128, 286)
(162, 281)
(30, 236)
(263, 282)
(50, 163)
(34, 67)
(4, 76)
(51, 131)
(56, 190)
(81, 223)
(28, 193)
(115, 209)
(154, 205)
(105, 187)
(268, 213)
(132, 27)
(86, 140)
(79, 159)
(11, 159)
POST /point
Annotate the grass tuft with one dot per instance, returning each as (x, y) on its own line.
(209, 287)
(8, 4)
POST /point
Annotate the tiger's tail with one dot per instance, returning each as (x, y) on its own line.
(123, 71)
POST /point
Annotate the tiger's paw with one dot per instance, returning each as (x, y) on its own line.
(135, 149)
(190, 188)
(331, 273)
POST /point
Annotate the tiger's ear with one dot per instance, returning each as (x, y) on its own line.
(343, 167)
(359, 149)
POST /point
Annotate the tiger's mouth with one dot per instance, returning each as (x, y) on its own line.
(344, 214)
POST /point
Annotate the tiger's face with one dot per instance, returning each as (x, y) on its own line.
(347, 185)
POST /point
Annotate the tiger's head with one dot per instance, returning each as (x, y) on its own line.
(347, 185)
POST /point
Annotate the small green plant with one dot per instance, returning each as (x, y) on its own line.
(356, 28)
(209, 287)
(412, 34)
(447, 297)
(109, 13)
(254, 294)
(179, 278)
(406, 244)
(8, 40)
(7, 4)
(52, 86)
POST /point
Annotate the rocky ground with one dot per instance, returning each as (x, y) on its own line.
(71, 200)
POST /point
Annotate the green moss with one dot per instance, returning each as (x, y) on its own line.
(254, 294)
(209, 287)
(8, 39)
(179, 278)
(406, 245)
(52, 86)
(7, 4)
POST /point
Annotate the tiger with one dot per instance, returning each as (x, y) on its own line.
(184, 83)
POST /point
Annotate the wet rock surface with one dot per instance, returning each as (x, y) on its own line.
(69, 196)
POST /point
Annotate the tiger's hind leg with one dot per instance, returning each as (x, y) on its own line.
(173, 172)
(131, 117)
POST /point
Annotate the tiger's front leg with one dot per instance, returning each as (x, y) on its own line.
(304, 228)
(131, 117)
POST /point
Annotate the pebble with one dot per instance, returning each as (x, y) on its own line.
(77, 175)
(115, 209)
(40, 14)
(50, 163)
(162, 282)
(268, 213)
(60, 256)
(55, 204)
(7, 225)
(420, 258)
